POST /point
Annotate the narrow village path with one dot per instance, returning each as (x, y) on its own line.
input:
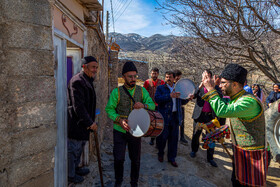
(192, 172)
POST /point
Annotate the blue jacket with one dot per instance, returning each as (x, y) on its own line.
(272, 97)
(165, 104)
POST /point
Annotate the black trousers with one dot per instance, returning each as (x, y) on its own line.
(182, 127)
(203, 118)
(134, 150)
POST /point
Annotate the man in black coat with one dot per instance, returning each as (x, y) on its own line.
(81, 100)
(202, 113)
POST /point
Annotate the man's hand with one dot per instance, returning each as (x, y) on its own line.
(191, 96)
(138, 105)
(175, 95)
(93, 127)
(124, 125)
(208, 82)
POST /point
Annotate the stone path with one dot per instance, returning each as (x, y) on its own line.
(192, 172)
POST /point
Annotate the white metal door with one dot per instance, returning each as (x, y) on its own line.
(60, 171)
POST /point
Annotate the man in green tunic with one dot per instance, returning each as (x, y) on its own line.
(247, 125)
(118, 108)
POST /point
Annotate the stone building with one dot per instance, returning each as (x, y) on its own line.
(142, 68)
(41, 43)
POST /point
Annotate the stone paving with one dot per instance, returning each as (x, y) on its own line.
(192, 172)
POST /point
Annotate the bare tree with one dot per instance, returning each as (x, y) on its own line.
(241, 31)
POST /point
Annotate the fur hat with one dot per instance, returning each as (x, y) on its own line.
(129, 66)
(235, 73)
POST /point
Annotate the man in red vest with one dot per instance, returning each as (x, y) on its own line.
(151, 86)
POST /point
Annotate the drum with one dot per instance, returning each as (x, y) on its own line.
(217, 134)
(185, 87)
(145, 123)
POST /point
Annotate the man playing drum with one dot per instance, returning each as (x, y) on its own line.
(118, 108)
(247, 125)
(151, 86)
(170, 107)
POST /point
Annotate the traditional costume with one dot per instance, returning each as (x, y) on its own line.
(119, 106)
(247, 129)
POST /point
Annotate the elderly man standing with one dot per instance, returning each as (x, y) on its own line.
(118, 108)
(170, 107)
(81, 100)
(247, 125)
(151, 86)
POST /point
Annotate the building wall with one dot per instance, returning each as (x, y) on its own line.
(142, 68)
(27, 93)
(97, 49)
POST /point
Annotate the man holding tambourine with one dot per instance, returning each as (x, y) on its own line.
(169, 105)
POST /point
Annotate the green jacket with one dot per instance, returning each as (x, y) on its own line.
(115, 98)
(246, 116)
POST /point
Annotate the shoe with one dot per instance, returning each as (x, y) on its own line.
(82, 171)
(174, 164)
(118, 184)
(76, 179)
(183, 140)
(134, 184)
(160, 159)
(193, 154)
(152, 142)
(213, 163)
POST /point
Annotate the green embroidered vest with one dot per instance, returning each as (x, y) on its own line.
(125, 104)
(249, 134)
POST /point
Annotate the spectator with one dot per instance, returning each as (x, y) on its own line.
(257, 91)
(247, 88)
(274, 95)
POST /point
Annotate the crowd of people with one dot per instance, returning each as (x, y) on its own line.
(221, 97)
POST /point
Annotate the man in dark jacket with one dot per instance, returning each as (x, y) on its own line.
(81, 116)
(170, 107)
(202, 113)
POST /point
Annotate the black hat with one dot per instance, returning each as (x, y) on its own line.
(88, 59)
(235, 73)
(129, 66)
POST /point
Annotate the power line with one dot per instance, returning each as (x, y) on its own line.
(123, 10)
(113, 20)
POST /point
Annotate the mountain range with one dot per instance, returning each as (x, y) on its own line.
(135, 42)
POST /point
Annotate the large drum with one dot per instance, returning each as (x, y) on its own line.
(145, 123)
(185, 87)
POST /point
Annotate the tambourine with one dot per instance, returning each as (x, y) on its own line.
(185, 87)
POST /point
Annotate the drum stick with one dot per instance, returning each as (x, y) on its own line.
(225, 148)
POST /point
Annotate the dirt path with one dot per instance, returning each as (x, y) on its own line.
(191, 171)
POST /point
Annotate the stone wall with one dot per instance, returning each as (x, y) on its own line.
(27, 93)
(142, 68)
(97, 49)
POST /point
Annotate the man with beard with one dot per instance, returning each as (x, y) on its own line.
(247, 125)
(151, 86)
(81, 100)
(118, 108)
(170, 107)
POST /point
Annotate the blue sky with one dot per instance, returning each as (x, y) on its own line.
(140, 17)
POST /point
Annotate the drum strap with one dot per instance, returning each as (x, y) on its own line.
(126, 91)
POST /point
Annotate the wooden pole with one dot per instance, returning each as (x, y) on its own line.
(98, 157)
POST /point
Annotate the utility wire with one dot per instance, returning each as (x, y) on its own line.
(123, 10)
(113, 20)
